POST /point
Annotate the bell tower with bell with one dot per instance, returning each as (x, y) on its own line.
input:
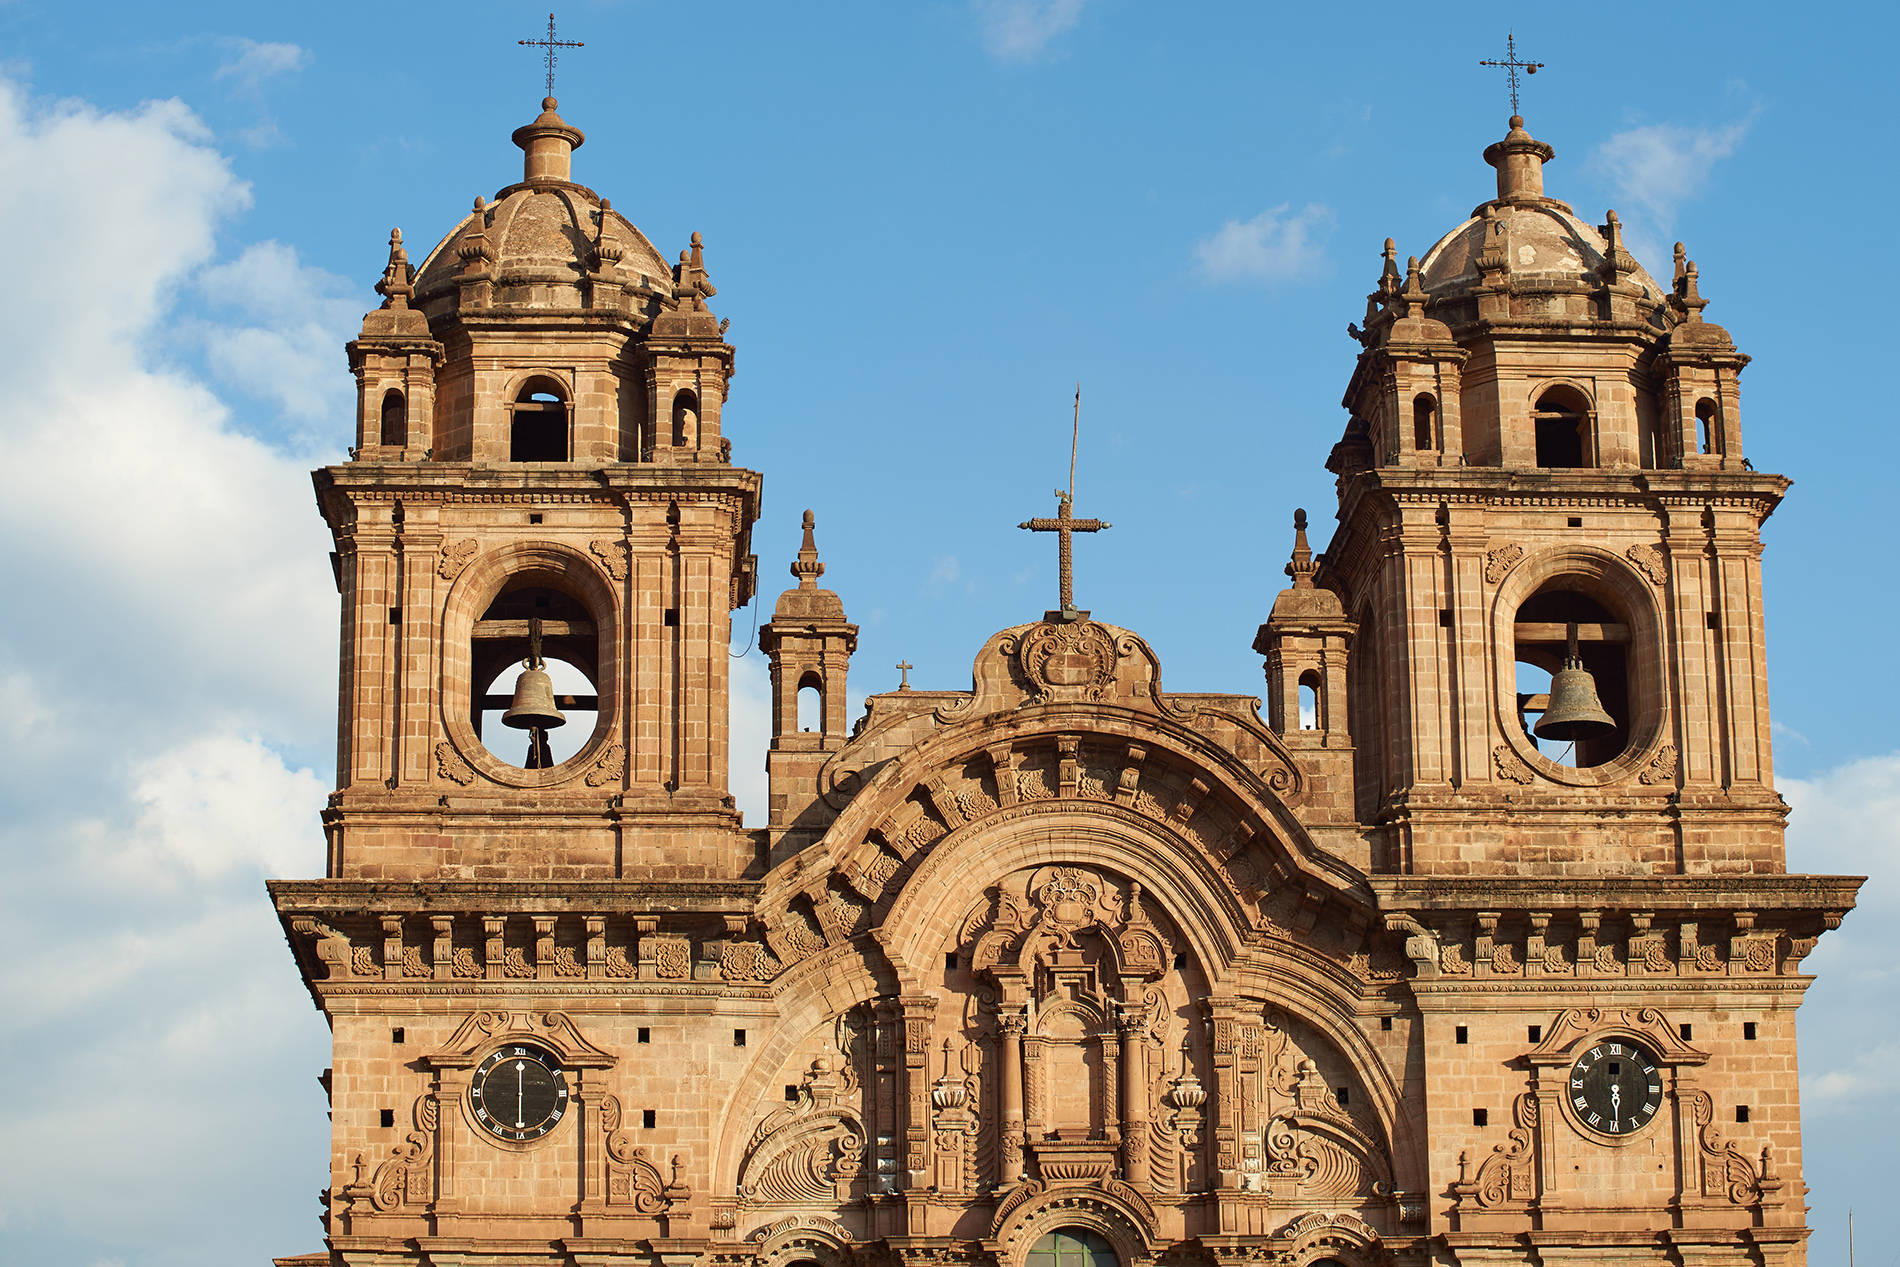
(1549, 548)
(540, 538)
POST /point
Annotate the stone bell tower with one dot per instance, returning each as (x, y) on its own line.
(539, 470)
(1543, 439)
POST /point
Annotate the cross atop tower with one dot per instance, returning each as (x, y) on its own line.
(1065, 524)
(550, 44)
(1510, 65)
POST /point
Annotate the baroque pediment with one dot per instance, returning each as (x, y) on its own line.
(1063, 662)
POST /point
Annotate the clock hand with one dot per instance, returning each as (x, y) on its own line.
(519, 1066)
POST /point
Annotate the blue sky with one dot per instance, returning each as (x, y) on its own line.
(927, 222)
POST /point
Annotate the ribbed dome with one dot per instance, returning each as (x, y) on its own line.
(540, 239)
(1547, 241)
(542, 236)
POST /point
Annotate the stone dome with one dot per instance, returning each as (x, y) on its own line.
(541, 238)
(1547, 243)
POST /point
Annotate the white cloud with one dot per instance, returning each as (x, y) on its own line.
(947, 571)
(1274, 246)
(253, 61)
(1657, 167)
(1021, 30)
(287, 351)
(176, 623)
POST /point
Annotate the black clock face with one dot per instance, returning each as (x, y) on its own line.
(519, 1093)
(1615, 1087)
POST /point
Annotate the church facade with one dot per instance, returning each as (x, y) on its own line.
(1475, 946)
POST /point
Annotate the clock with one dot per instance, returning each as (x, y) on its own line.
(518, 1092)
(1615, 1087)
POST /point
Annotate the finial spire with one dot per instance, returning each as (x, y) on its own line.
(398, 276)
(1301, 567)
(806, 567)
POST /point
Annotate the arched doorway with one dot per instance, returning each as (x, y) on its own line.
(1072, 1247)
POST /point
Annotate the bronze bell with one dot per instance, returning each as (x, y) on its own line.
(533, 705)
(1574, 712)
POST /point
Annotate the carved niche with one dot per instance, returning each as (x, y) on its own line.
(810, 1151)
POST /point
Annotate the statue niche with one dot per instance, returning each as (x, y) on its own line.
(1070, 967)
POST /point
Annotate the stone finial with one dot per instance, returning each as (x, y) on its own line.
(806, 567)
(1689, 300)
(606, 252)
(1494, 259)
(399, 275)
(1681, 255)
(1520, 160)
(1618, 263)
(473, 249)
(548, 146)
(1301, 567)
(1389, 271)
(1413, 296)
(691, 285)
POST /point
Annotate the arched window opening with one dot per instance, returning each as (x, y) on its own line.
(538, 428)
(1708, 418)
(1562, 419)
(1072, 1247)
(1424, 423)
(811, 704)
(1309, 700)
(1549, 698)
(395, 424)
(528, 617)
(685, 420)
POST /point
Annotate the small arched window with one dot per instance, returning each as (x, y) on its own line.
(811, 704)
(395, 422)
(1708, 426)
(1424, 423)
(685, 420)
(1563, 420)
(1309, 700)
(537, 429)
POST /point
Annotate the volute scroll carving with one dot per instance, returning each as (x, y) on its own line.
(810, 1151)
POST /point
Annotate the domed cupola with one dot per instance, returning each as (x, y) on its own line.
(1526, 337)
(562, 333)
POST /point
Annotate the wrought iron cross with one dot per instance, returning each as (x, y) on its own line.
(550, 44)
(1511, 65)
(1064, 524)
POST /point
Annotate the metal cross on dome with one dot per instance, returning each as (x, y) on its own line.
(1065, 524)
(1511, 65)
(550, 44)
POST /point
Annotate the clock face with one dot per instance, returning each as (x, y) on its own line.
(1615, 1087)
(519, 1092)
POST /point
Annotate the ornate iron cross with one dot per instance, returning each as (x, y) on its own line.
(550, 44)
(1510, 65)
